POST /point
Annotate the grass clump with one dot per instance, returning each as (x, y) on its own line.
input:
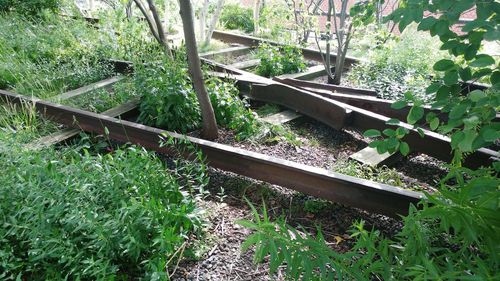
(21, 124)
(77, 216)
(398, 65)
(52, 55)
(278, 60)
(378, 174)
(101, 100)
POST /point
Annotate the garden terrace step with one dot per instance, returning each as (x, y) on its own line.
(370, 156)
(246, 64)
(68, 133)
(106, 83)
(281, 117)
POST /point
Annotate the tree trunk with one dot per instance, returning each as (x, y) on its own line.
(203, 20)
(209, 130)
(256, 17)
(213, 21)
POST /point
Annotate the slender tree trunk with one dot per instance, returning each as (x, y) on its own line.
(203, 20)
(328, 64)
(256, 17)
(128, 9)
(209, 130)
(154, 23)
(213, 21)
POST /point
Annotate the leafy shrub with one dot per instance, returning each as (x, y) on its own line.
(169, 101)
(398, 66)
(29, 7)
(65, 215)
(448, 240)
(277, 60)
(234, 16)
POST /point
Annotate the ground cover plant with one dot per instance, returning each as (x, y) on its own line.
(454, 234)
(32, 8)
(101, 100)
(277, 60)
(397, 65)
(234, 16)
(70, 214)
(21, 124)
(51, 55)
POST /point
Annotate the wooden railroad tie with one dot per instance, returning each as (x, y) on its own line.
(246, 64)
(281, 117)
(68, 133)
(236, 51)
(106, 83)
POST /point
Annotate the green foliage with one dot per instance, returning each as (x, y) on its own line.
(396, 65)
(67, 215)
(471, 117)
(277, 60)
(29, 7)
(21, 124)
(274, 21)
(234, 16)
(169, 101)
(455, 238)
(101, 100)
(50, 56)
(381, 174)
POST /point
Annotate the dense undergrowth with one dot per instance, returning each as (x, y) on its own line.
(278, 60)
(73, 214)
(396, 65)
(169, 101)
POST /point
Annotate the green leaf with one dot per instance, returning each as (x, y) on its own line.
(392, 121)
(450, 77)
(466, 144)
(415, 114)
(465, 74)
(427, 23)
(482, 61)
(389, 132)
(476, 95)
(458, 111)
(441, 27)
(372, 133)
(404, 148)
(495, 78)
(433, 88)
(421, 132)
(443, 65)
(456, 138)
(434, 123)
(399, 104)
(490, 134)
(471, 51)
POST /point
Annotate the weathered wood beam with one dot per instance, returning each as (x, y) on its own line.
(368, 195)
(106, 83)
